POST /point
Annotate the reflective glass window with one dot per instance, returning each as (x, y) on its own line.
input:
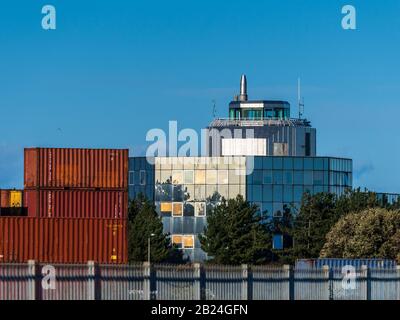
(200, 192)
(267, 208)
(257, 177)
(222, 176)
(233, 177)
(177, 209)
(288, 163)
(200, 177)
(318, 164)
(234, 190)
(211, 177)
(165, 176)
(267, 177)
(298, 163)
(287, 193)
(308, 177)
(178, 192)
(267, 162)
(166, 207)
(177, 177)
(318, 178)
(200, 209)
(278, 209)
(267, 193)
(131, 178)
(297, 193)
(278, 193)
(277, 177)
(308, 164)
(278, 163)
(189, 192)
(298, 177)
(188, 209)
(189, 176)
(288, 177)
(223, 190)
(257, 193)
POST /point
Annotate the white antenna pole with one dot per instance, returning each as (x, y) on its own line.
(301, 104)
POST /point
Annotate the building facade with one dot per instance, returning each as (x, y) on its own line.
(184, 189)
(259, 152)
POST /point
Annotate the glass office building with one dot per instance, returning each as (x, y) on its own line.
(184, 189)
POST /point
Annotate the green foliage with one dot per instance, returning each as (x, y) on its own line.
(235, 234)
(317, 215)
(372, 233)
(144, 223)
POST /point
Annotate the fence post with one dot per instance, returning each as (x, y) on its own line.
(366, 275)
(245, 282)
(32, 280)
(146, 281)
(197, 281)
(328, 277)
(398, 282)
(91, 288)
(290, 278)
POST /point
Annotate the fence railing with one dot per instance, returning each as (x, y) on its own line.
(33, 281)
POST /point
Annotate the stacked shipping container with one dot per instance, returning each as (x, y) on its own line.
(77, 203)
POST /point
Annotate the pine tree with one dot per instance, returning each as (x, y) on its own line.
(235, 234)
(144, 223)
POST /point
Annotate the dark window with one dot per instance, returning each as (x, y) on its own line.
(308, 144)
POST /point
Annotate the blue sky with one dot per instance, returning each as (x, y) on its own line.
(112, 70)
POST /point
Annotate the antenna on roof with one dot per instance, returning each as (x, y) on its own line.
(300, 100)
(214, 109)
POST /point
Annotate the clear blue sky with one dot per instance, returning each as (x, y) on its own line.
(115, 69)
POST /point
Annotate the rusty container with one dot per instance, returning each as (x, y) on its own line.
(63, 240)
(4, 198)
(110, 204)
(75, 168)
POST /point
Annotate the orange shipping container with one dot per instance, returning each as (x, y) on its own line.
(76, 204)
(75, 168)
(4, 198)
(63, 240)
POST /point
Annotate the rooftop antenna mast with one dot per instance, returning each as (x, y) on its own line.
(214, 109)
(300, 100)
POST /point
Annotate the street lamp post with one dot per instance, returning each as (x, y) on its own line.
(148, 247)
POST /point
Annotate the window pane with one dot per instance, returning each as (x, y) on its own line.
(200, 192)
(318, 178)
(200, 209)
(165, 176)
(267, 193)
(166, 207)
(233, 177)
(267, 162)
(288, 163)
(189, 192)
(142, 177)
(188, 209)
(131, 178)
(177, 209)
(189, 177)
(223, 191)
(257, 193)
(200, 176)
(278, 193)
(177, 240)
(278, 163)
(222, 176)
(267, 177)
(188, 242)
(257, 177)
(177, 177)
(298, 163)
(308, 164)
(234, 190)
(212, 177)
(308, 177)
(278, 209)
(278, 177)
(318, 164)
(297, 193)
(287, 194)
(288, 177)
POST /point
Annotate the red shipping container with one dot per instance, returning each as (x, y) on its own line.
(76, 204)
(75, 168)
(61, 240)
(4, 198)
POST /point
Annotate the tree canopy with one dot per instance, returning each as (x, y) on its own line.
(372, 233)
(235, 234)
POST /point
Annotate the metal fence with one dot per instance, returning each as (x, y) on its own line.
(143, 281)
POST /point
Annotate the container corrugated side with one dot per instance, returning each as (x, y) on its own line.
(56, 240)
(4, 198)
(75, 168)
(108, 204)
